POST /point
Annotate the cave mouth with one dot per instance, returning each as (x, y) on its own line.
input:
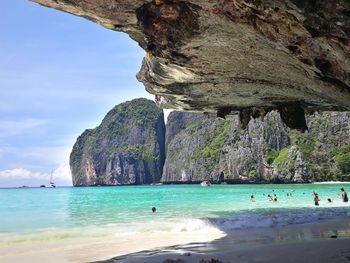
(225, 57)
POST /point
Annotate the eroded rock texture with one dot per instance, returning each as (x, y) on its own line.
(233, 55)
(126, 148)
(205, 148)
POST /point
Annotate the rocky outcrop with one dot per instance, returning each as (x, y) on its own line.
(126, 148)
(245, 55)
(201, 147)
(130, 145)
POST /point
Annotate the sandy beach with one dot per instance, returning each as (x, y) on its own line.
(330, 251)
(321, 241)
(90, 249)
(325, 241)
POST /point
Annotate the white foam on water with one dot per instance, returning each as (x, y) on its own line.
(280, 218)
(191, 224)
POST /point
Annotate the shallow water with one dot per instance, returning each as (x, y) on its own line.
(36, 209)
(68, 214)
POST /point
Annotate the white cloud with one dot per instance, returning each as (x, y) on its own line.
(17, 127)
(63, 173)
(20, 173)
(19, 176)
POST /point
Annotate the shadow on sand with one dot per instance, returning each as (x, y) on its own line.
(322, 241)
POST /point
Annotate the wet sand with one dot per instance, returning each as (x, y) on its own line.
(327, 251)
(324, 241)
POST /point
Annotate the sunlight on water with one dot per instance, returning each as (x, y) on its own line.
(75, 212)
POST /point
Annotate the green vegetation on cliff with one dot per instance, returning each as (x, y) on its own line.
(304, 141)
(341, 156)
(267, 150)
(211, 150)
(126, 148)
(270, 154)
(282, 156)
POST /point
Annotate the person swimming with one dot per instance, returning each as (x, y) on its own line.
(154, 209)
(275, 198)
(270, 197)
(344, 195)
(329, 200)
(252, 199)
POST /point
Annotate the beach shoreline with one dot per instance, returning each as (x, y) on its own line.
(322, 241)
(327, 251)
(99, 224)
(315, 241)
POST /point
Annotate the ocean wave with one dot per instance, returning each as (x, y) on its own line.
(279, 218)
(190, 225)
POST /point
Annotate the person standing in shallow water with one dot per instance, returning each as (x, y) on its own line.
(316, 199)
(154, 209)
(344, 195)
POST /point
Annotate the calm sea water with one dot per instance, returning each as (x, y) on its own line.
(179, 207)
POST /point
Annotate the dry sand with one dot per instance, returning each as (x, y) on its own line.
(90, 249)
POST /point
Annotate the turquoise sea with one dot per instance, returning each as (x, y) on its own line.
(37, 214)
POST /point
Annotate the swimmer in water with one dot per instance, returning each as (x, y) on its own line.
(154, 209)
(275, 198)
(252, 199)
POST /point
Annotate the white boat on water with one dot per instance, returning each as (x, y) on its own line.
(206, 183)
(51, 184)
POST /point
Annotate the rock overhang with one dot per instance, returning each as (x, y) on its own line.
(225, 56)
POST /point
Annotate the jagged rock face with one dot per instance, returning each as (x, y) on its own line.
(127, 148)
(252, 55)
(201, 147)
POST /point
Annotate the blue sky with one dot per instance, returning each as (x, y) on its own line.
(59, 75)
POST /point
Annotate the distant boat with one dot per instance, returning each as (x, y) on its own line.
(206, 183)
(52, 184)
(42, 186)
(24, 186)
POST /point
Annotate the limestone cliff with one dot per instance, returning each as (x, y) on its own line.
(250, 56)
(126, 148)
(202, 147)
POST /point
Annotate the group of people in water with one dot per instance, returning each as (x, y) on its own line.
(272, 198)
(344, 197)
(316, 197)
